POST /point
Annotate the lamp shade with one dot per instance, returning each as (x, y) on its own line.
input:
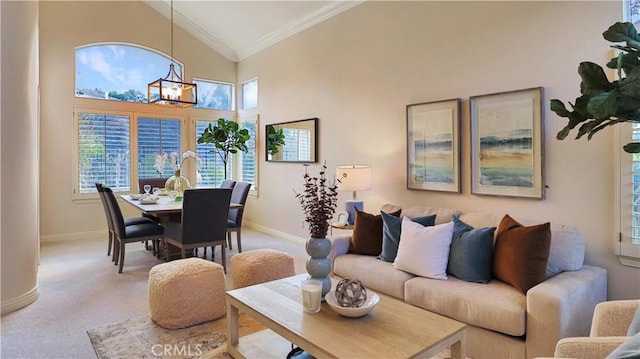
(354, 177)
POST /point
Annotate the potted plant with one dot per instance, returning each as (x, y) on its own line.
(604, 103)
(318, 201)
(227, 137)
(274, 139)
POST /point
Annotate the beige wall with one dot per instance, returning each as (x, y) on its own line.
(357, 72)
(66, 25)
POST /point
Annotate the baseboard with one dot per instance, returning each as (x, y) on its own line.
(49, 238)
(20, 301)
(274, 232)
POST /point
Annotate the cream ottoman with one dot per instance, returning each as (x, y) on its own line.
(259, 266)
(186, 292)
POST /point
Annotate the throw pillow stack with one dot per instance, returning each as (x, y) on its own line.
(417, 245)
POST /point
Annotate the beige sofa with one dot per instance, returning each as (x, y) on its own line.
(502, 321)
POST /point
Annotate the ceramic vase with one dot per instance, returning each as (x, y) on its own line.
(318, 265)
(177, 183)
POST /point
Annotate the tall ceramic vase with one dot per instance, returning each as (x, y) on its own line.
(318, 265)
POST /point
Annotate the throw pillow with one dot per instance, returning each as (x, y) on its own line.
(424, 251)
(471, 254)
(520, 253)
(630, 349)
(634, 328)
(391, 228)
(367, 234)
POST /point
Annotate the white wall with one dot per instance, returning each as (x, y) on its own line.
(19, 155)
(66, 25)
(356, 72)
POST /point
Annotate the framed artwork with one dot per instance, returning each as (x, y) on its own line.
(433, 146)
(507, 144)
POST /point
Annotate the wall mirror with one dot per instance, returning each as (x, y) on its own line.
(294, 141)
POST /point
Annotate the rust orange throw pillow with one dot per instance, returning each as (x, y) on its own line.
(367, 233)
(521, 253)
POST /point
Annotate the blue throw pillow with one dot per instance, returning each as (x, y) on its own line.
(391, 228)
(634, 328)
(471, 253)
(630, 349)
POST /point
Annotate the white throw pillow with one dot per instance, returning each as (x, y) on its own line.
(424, 251)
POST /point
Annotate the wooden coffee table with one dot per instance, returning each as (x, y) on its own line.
(393, 329)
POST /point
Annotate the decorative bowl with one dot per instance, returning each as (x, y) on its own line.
(148, 200)
(136, 195)
(372, 299)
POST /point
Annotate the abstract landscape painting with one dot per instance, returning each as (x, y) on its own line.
(432, 146)
(507, 143)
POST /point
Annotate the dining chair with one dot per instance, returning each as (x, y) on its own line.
(203, 223)
(234, 222)
(124, 234)
(228, 184)
(127, 221)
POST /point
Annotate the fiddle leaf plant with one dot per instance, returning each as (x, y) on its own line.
(274, 139)
(603, 103)
(227, 137)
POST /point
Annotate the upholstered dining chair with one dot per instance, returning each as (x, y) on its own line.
(228, 184)
(234, 222)
(127, 222)
(204, 221)
(124, 234)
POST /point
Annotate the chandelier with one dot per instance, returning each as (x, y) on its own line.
(170, 90)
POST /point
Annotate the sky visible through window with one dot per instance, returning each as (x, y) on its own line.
(118, 72)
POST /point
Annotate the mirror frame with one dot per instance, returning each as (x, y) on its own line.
(314, 145)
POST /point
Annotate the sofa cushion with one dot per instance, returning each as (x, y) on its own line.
(391, 229)
(378, 275)
(443, 215)
(471, 254)
(567, 243)
(630, 349)
(424, 251)
(367, 233)
(520, 253)
(495, 306)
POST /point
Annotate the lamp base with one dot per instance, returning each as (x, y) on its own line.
(350, 207)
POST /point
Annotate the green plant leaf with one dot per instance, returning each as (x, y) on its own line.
(603, 105)
(594, 80)
(632, 147)
(558, 107)
(623, 32)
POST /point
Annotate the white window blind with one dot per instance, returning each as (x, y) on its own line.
(157, 136)
(297, 144)
(211, 172)
(247, 161)
(628, 243)
(103, 151)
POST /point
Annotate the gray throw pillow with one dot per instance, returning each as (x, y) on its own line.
(634, 328)
(391, 229)
(630, 349)
(471, 254)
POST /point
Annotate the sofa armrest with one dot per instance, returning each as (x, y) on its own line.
(587, 347)
(613, 318)
(562, 306)
(339, 246)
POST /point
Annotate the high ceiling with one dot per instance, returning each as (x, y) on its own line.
(237, 29)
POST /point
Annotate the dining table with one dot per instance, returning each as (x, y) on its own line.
(164, 209)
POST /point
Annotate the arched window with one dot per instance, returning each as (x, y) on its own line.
(119, 72)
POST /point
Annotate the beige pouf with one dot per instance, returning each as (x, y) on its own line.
(186, 292)
(259, 266)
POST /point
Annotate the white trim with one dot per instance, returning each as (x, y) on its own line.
(20, 301)
(50, 238)
(274, 232)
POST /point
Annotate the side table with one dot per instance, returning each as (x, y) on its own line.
(346, 227)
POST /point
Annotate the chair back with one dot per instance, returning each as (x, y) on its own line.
(114, 209)
(105, 206)
(154, 182)
(239, 195)
(204, 215)
(228, 184)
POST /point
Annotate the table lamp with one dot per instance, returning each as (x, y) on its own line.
(353, 178)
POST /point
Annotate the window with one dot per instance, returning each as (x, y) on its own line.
(214, 95)
(156, 136)
(118, 72)
(211, 172)
(628, 245)
(247, 162)
(109, 142)
(103, 151)
(250, 94)
(297, 144)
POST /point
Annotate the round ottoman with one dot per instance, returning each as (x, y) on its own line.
(259, 266)
(186, 292)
